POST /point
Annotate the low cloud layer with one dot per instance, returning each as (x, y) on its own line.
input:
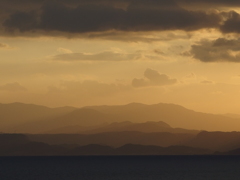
(102, 56)
(12, 87)
(153, 78)
(219, 50)
(87, 89)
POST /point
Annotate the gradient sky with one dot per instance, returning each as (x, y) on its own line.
(95, 52)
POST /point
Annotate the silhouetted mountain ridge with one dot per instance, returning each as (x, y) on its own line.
(136, 149)
(120, 143)
(218, 141)
(18, 145)
(115, 139)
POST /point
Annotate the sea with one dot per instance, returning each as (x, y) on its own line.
(121, 168)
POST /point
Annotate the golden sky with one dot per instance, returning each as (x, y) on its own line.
(95, 52)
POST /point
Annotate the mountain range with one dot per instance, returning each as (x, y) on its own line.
(132, 129)
(121, 143)
(20, 145)
(25, 118)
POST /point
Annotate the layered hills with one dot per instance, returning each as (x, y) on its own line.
(114, 139)
(121, 143)
(25, 118)
(132, 129)
(34, 148)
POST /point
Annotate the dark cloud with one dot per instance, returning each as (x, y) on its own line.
(84, 18)
(21, 21)
(219, 50)
(12, 87)
(153, 78)
(99, 16)
(121, 2)
(232, 24)
(216, 3)
(74, 17)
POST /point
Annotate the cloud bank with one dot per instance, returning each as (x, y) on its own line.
(100, 16)
(219, 50)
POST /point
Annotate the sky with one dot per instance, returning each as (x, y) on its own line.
(107, 52)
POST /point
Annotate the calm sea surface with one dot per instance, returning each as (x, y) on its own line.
(120, 167)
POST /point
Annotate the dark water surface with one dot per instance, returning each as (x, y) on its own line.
(120, 167)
